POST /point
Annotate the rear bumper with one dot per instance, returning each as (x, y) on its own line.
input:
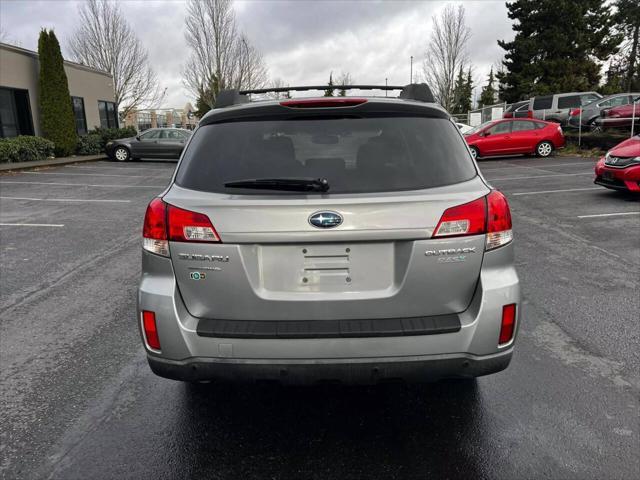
(353, 371)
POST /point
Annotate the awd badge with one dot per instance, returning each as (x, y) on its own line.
(198, 275)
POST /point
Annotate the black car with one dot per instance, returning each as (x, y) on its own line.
(152, 143)
(517, 110)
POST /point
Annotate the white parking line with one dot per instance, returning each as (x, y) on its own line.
(553, 191)
(31, 225)
(539, 176)
(590, 163)
(83, 185)
(98, 174)
(63, 200)
(102, 166)
(608, 214)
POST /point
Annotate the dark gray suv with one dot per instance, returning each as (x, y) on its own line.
(322, 239)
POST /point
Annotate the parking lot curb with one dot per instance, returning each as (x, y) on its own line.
(50, 162)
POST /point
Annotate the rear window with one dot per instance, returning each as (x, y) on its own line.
(542, 103)
(355, 155)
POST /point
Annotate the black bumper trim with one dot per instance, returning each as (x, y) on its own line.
(615, 185)
(355, 371)
(382, 327)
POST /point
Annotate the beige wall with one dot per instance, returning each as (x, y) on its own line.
(19, 69)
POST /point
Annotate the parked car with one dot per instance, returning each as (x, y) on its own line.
(152, 143)
(556, 108)
(622, 116)
(328, 239)
(590, 112)
(464, 128)
(516, 136)
(517, 110)
(619, 169)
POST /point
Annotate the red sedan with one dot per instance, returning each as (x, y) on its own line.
(620, 116)
(515, 136)
(620, 167)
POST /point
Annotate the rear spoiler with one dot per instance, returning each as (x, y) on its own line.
(414, 91)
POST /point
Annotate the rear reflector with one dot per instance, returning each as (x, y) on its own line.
(508, 324)
(187, 226)
(466, 219)
(150, 329)
(324, 102)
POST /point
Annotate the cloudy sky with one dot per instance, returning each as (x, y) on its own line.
(301, 40)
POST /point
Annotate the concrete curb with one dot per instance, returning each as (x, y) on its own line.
(50, 162)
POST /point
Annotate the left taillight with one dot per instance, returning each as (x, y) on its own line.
(154, 232)
(489, 215)
(164, 223)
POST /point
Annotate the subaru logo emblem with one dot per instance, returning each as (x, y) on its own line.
(325, 219)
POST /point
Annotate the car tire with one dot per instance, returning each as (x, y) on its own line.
(475, 153)
(544, 149)
(121, 154)
(595, 128)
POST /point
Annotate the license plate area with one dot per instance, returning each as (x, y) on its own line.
(327, 267)
(609, 176)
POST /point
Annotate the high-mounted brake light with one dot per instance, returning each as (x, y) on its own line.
(164, 222)
(490, 215)
(324, 102)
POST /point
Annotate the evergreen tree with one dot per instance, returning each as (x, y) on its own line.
(627, 23)
(557, 46)
(56, 113)
(202, 106)
(488, 94)
(462, 92)
(329, 91)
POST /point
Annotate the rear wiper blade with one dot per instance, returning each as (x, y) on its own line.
(287, 184)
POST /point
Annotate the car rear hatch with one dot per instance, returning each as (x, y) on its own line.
(362, 250)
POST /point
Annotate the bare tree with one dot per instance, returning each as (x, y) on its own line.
(446, 53)
(104, 40)
(221, 57)
(344, 79)
(278, 83)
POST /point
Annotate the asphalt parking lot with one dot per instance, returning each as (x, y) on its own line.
(78, 400)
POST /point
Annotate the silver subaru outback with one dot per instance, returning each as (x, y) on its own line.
(328, 239)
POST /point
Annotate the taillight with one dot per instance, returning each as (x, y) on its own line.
(154, 232)
(164, 222)
(529, 114)
(499, 230)
(324, 102)
(575, 112)
(490, 215)
(466, 219)
(150, 329)
(187, 226)
(508, 324)
(507, 115)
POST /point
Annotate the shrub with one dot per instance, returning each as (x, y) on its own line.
(107, 134)
(89, 144)
(600, 140)
(56, 114)
(25, 148)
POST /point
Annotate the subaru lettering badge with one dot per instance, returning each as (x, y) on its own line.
(325, 219)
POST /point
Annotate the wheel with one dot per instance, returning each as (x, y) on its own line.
(544, 149)
(595, 128)
(121, 154)
(474, 153)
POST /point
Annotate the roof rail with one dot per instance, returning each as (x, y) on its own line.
(414, 91)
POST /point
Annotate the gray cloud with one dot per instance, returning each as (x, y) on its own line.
(302, 41)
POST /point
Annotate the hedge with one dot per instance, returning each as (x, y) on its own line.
(601, 140)
(90, 144)
(107, 134)
(25, 148)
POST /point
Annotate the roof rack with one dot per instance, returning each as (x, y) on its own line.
(414, 91)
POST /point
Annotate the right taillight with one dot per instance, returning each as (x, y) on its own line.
(164, 223)
(489, 215)
(498, 221)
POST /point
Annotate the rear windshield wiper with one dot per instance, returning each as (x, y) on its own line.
(287, 184)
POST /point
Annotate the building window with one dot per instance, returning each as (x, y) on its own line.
(108, 114)
(78, 113)
(15, 113)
